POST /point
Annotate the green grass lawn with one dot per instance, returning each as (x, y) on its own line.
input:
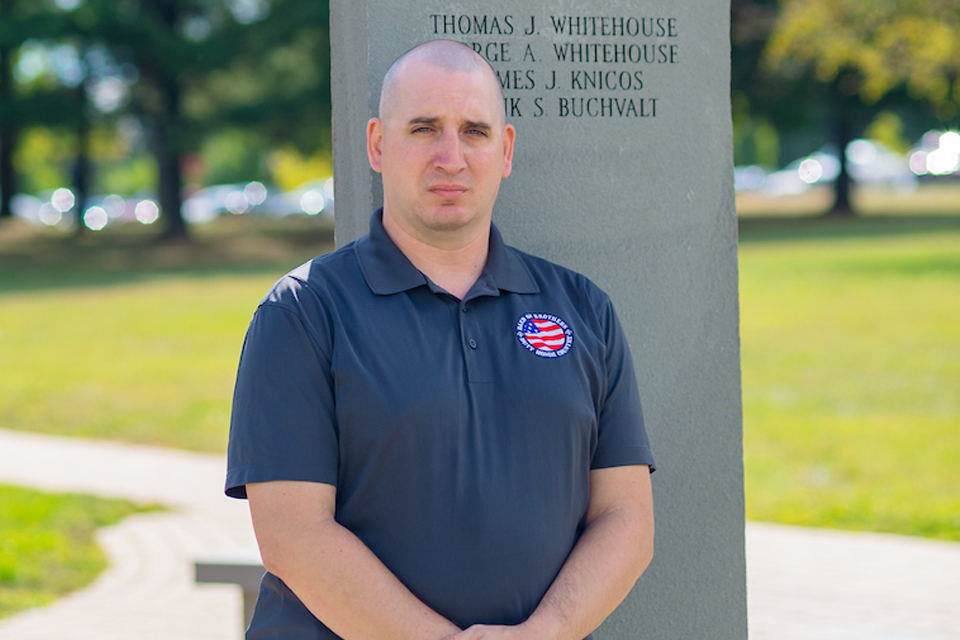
(850, 332)
(119, 337)
(851, 373)
(47, 548)
(116, 336)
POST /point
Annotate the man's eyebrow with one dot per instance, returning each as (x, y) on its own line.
(423, 120)
(470, 124)
(474, 124)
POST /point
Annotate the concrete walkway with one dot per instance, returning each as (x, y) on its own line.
(803, 584)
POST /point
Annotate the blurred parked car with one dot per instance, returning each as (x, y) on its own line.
(750, 177)
(937, 156)
(820, 167)
(26, 207)
(868, 161)
(312, 198)
(210, 202)
(57, 208)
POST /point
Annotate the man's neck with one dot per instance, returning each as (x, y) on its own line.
(455, 263)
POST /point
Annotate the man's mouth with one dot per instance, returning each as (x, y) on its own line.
(448, 191)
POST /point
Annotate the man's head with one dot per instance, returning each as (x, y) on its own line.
(444, 54)
(441, 141)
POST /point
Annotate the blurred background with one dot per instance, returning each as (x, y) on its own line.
(162, 162)
(134, 112)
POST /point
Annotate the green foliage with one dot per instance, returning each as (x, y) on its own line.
(290, 169)
(785, 104)
(47, 546)
(887, 128)
(126, 176)
(44, 158)
(873, 47)
(233, 156)
(851, 366)
(755, 140)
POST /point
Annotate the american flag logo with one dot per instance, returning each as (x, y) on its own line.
(544, 334)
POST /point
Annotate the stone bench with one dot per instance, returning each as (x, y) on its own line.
(242, 568)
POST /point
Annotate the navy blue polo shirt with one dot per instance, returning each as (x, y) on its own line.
(460, 434)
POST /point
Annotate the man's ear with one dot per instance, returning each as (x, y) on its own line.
(509, 137)
(375, 143)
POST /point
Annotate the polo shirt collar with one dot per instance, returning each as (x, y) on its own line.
(388, 271)
(504, 269)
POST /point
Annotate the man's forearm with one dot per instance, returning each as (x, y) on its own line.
(614, 550)
(333, 573)
(597, 576)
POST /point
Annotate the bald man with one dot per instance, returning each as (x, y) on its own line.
(439, 436)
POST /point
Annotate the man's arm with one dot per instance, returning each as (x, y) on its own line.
(615, 548)
(332, 572)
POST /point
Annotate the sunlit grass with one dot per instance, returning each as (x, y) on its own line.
(47, 546)
(851, 377)
(851, 356)
(151, 361)
(131, 340)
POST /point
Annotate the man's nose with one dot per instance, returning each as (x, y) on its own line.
(449, 152)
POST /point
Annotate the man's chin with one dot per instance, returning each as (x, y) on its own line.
(449, 216)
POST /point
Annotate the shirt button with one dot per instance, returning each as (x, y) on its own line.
(472, 343)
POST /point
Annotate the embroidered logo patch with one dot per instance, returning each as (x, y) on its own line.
(544, 335)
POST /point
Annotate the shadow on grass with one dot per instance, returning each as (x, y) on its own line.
(39, 259)
(773, 228)
(34, 259)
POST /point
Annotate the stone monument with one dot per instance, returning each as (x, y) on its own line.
(623, 171)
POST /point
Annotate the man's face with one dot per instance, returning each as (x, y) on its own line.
(442, 149)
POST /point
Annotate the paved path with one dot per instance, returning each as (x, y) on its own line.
(818, 584)
(148, 592)
(803, 584)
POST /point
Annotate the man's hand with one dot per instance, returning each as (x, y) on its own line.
(494, 632)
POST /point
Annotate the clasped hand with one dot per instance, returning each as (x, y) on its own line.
(498, 632)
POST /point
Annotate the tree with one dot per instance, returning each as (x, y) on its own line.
(188, 69)
(855, 55)
(46, 97)
(20, 20)
(169, 46)
(760, 108)
(879, 45)
(278, 83)
(766, 106)
(8, 129)
(202, 65)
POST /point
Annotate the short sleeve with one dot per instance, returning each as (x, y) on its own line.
(621, 435)
(283, 426)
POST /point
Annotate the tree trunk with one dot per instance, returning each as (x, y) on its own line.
(843, 136)
(167, 134)
(8, 134)
(171, 183)
(170, 139)
(81, 168)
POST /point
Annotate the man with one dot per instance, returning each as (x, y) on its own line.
(439, 436)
